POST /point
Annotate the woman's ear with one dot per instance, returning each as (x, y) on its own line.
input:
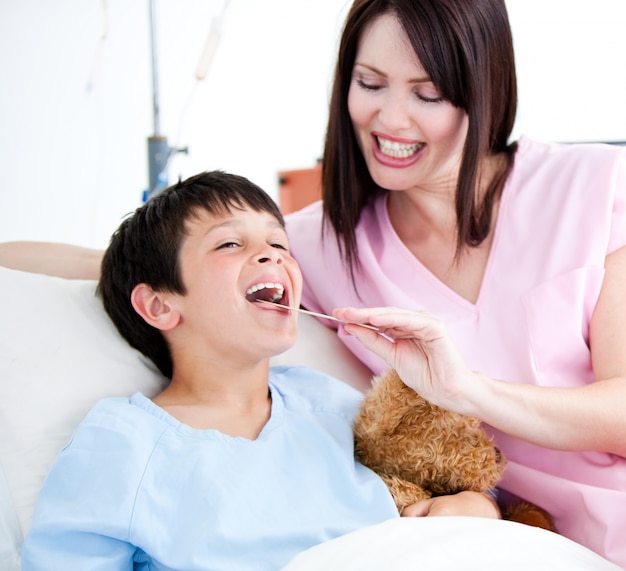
(154, 307)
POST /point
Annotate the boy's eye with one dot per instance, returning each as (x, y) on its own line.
(279, 246)
(227, 245)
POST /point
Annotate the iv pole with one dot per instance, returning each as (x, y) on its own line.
(158, 148)
(159, 151)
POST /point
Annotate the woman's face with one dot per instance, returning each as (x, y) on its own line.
(410, 136)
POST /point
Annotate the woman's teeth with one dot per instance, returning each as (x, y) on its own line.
(398, 150)
(266, 291)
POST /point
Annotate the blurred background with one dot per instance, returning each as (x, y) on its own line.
(77, 94)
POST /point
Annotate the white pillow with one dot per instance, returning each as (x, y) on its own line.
(10, 530)
(60, 353)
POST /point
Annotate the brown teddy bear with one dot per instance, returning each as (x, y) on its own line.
(421, 450)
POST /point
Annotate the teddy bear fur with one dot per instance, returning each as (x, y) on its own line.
(421, 450)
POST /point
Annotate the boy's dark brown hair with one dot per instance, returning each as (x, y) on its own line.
(145, 248)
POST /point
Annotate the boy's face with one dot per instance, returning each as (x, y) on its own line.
(227, 262)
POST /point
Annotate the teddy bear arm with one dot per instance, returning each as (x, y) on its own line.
(404, 493)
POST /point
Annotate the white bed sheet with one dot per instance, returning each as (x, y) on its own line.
(450, 543)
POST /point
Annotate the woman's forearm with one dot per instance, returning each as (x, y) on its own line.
(51, 258)
(589, 417)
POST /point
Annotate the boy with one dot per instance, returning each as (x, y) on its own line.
(233, 465)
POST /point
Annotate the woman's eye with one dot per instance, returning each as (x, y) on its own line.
(429, 95)
(367, 86)
(426, 99)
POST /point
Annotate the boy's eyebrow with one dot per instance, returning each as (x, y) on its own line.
(377, 71)
(223, 224)
(235, 222)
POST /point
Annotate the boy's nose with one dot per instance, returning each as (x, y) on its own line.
(265, 259)
(272, 256)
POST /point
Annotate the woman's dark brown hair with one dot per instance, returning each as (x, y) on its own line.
(466, 47)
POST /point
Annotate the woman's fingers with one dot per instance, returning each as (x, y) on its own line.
(465, 503)
(391, 319)
(418, 509)
(376, 342)
(417, 346)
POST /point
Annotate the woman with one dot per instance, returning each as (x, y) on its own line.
(519, 249)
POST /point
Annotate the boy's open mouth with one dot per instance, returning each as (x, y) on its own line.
(273, 292)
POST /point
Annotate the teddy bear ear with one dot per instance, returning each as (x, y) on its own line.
(379, 378)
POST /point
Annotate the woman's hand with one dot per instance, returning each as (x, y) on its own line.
(462, 504)
(583, 417)
(417, 346)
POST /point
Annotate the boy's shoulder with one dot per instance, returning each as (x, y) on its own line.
(122, 421)
(114, 433)
(314, 390)
(127, 408)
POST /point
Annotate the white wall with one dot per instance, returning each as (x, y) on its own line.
(76, 95)
(571, 64)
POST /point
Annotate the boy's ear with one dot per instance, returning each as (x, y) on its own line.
(154, 307)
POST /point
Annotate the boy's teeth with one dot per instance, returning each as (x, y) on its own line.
(398, 150)
(267, 291)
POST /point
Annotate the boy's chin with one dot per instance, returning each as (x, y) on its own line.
(282, 347)
(290, 351)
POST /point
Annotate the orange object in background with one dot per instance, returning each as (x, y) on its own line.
(298, 188)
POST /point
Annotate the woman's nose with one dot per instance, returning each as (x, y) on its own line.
(394, 113)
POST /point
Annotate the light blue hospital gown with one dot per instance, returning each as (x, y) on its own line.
(136, 489)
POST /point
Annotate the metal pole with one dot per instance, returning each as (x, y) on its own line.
(155, 69)
(158, 148)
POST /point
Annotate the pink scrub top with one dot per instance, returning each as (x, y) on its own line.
(563, 209)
